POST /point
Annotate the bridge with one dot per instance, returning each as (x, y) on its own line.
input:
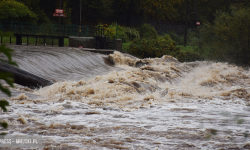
(54, 31)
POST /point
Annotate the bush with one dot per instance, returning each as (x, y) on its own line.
(148, 31)
(168, 38)
(125, 33)
(192, 38)
(228, 39)
(179, 39)
(150, 47)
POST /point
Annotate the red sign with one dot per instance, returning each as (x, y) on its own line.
(80, 46)
(59, 11)
(58, 15)
(198, 23)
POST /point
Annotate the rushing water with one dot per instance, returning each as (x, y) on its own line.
(120, 102)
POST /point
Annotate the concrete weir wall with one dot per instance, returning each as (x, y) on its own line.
(86, 42)
(89, 42)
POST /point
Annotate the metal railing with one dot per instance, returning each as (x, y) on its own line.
(45, 29)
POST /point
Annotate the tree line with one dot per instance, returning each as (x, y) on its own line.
(125, 12)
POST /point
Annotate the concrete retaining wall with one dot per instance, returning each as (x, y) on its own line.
(89, 42)
(86, 42)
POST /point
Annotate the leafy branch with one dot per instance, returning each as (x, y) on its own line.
(7, 77)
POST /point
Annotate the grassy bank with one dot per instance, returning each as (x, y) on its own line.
(125, 47)
(187, 48)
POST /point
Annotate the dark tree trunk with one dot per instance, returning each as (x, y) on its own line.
(186, 23)
(129, 12)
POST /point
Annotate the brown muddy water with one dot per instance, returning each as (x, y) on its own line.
(120, 102)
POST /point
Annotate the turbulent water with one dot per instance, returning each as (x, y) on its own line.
(120, 102)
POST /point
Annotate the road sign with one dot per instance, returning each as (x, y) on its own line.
(58, 15)
(59, 11)
(198, 23)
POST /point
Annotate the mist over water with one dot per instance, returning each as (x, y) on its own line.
(122, 102)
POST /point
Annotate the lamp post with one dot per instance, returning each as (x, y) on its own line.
(80, 12)
(80, 28)
(197, 23)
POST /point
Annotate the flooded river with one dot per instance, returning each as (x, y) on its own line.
(121, 102)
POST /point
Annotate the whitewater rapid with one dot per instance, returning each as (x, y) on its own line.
(121, 102)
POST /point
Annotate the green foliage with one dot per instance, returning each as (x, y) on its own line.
(193, 39)
(148, 31)
(34, 6)
(167, 37)
(187, 48)
(132, 33)
(98, 9)
(228, 39)
(11, 10)
(125, 33)
(4, 124)
(150, 47)
(164, 45)
(3, 104)
(125, 46)
(7, 77)
(177, 38)
(111, 32)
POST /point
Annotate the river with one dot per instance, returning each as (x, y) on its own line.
(121, 102)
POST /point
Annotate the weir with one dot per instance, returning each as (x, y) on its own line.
(24, 78)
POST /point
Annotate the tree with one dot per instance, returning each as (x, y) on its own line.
(228, 38)
(144, 9)
(11, 10)
(93, 11)
(34, 5)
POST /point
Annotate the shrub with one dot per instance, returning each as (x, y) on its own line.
(148, 31)
(193, 38)
(179, 39)
(168, 38)
(150, 47)
(132, 33)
